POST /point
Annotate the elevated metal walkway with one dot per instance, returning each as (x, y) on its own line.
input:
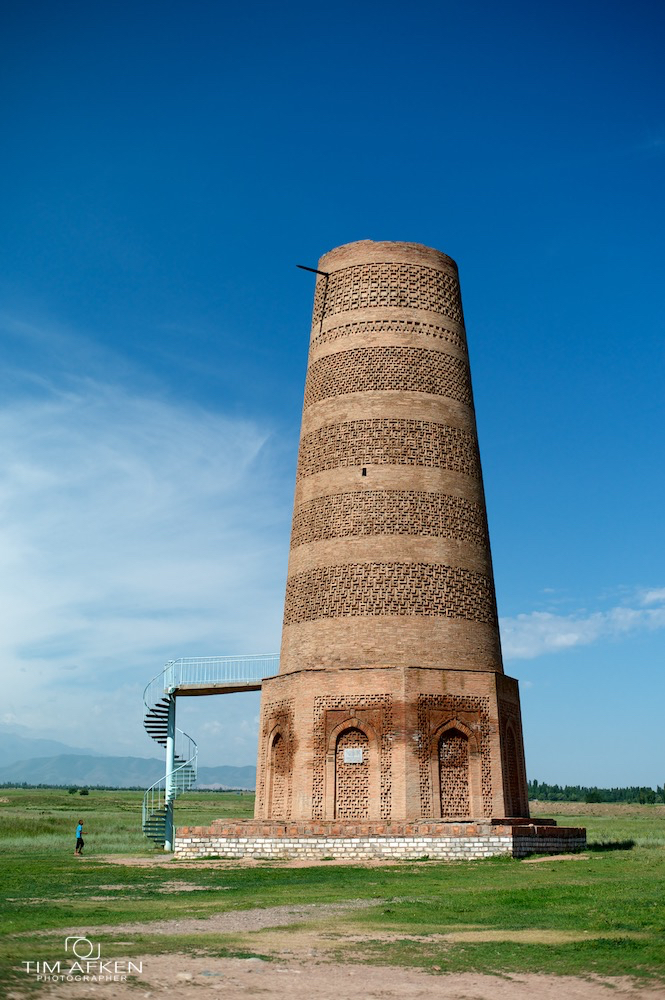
(188, 676)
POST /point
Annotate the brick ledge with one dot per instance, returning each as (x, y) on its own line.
(349, 828)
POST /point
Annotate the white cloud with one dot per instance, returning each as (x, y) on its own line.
(656, 596)
(527, 636)
(132, 530)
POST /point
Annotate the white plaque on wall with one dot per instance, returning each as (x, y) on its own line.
(353, 755)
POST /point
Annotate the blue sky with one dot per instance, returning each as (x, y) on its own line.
(163, 169)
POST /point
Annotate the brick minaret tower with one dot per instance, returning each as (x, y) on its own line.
(391, 702)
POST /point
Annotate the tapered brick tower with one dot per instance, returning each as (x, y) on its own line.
(391, 702)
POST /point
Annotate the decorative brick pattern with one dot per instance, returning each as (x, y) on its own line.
(390, 588)
(411, 327)
(394, 369)
(381, 707)
(280, 774)
(454, 774)
(352, 780)
(401, 286)
(390, 591)
(453, 706)
(512, 769)
(389, 512)
(276, 714)
(379, 441)
(512, 760)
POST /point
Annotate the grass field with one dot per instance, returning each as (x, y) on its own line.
(609, 824)
(42, 819)
(602, 914)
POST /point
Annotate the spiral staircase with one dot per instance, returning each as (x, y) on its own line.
(188, 676)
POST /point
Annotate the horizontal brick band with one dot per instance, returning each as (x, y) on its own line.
(412, 328)
(389, 512)
(404, 286)
(380, 441)
(390, 588)
(392, 368)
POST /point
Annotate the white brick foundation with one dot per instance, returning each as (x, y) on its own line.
(463, 842)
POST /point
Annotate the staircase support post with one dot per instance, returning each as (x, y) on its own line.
(170, 767)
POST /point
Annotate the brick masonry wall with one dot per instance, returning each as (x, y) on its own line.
(390, 642)
(389, 513)
(365, 841)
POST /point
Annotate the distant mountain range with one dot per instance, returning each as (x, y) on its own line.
(16, 746)
(49, 762)
(118, 772)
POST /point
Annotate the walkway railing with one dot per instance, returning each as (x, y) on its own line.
(210, 670)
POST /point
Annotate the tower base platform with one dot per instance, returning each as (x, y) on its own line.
(365, 841)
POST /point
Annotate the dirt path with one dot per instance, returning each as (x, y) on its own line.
(182, 977)
(231, 922)
(303, 963)
(172, 863)
(307, 962)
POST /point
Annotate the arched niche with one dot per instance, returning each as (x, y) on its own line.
(513, 777)
(278, 776)
(455, 771)
(352, 773)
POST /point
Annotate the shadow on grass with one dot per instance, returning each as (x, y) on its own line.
(612, 845)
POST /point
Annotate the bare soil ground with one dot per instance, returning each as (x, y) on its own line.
(182, 977)
(234, 922)
(163, 860)
(553, 857)
(304, 949)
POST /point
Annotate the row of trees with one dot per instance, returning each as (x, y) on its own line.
(73, 789)
(537, 790)
(582, 793)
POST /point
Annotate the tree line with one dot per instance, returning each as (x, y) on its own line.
(537, 790)
(84, 789)
(583, 793)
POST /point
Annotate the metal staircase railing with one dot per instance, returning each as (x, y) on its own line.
(219, 672)
(159, 798)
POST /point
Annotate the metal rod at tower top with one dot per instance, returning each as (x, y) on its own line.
(312, 269)
(326, 275)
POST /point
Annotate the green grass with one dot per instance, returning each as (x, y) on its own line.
(608, 823)
(614, 896)
(603, 957)
(43, 819)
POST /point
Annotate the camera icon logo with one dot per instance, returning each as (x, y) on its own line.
(82, 947)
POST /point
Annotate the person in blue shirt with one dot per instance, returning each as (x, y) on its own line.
(79, 838)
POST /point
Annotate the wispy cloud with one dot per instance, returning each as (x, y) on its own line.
(527, 636)
(656, 596)
(132, 529)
